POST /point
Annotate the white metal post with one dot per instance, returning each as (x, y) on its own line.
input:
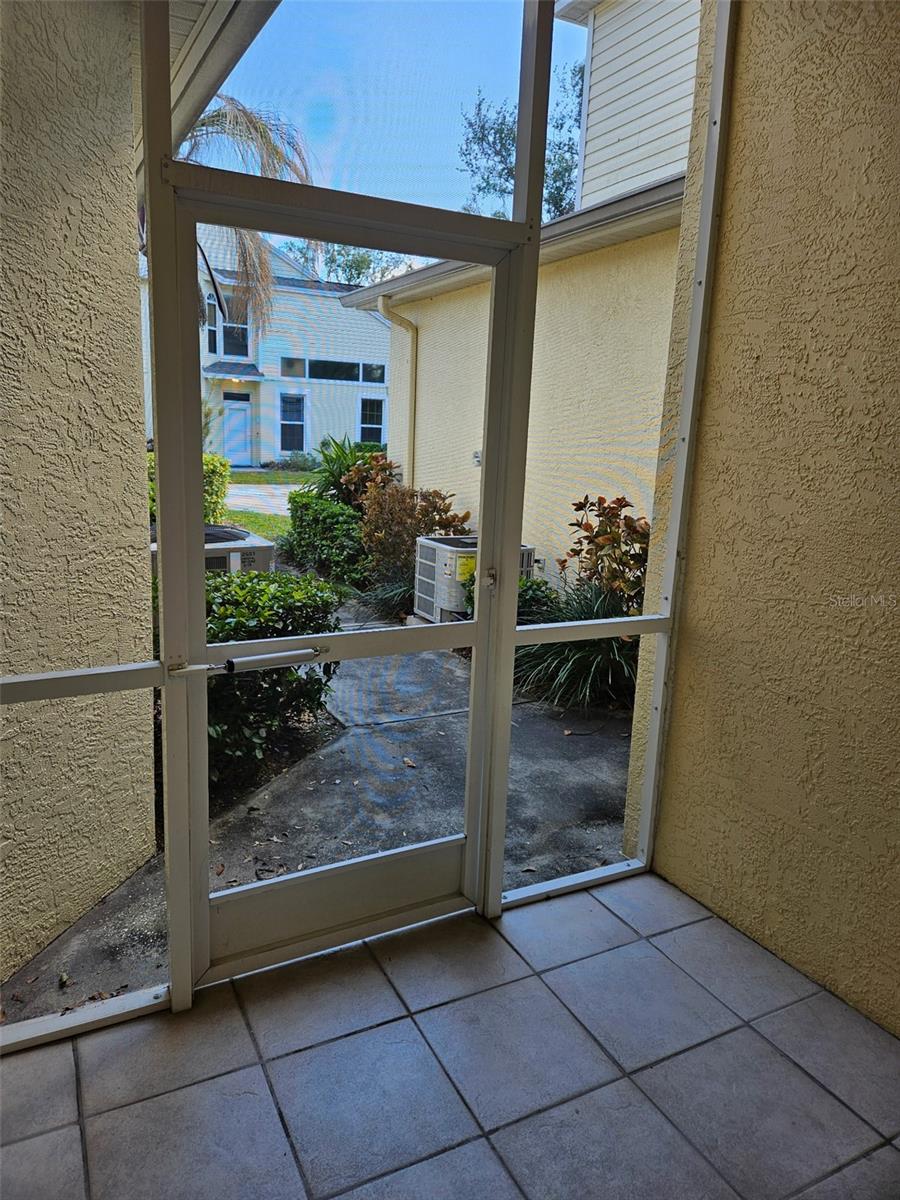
(694, 367)
(505, 443)
(179, 536)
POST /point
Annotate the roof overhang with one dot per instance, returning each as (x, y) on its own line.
(206, 55)
(635, 215)
(576, 11)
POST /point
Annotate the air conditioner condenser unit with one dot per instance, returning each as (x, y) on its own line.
(443, 564)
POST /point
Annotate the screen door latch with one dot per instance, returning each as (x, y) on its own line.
(252, 662)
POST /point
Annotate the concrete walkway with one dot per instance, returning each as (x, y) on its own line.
(269, 498)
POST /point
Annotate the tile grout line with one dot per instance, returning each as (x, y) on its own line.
(625, 1075)
(411, 1016)
(742, 1022)
(304, 1182)
(29, 1137)
(181, 1087)
(477, 1137)
(82, 1120)
(851, 1162)
(799, 1066)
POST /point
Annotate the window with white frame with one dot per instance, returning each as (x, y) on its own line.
(212, 324)
(329, 368)
(236, 337)
(292, 423)
(371, 420)
(294, 367)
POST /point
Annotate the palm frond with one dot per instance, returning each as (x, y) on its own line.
(262, 142)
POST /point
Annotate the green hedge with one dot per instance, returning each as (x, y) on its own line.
(325, 537)
(216, 473)
(252, 714)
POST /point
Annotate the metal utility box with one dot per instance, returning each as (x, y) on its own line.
(443, 564)
(228, 548)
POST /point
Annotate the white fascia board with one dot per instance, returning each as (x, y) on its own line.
(634, 215)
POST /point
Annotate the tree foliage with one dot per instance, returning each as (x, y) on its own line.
(488, 149)
(346, 264)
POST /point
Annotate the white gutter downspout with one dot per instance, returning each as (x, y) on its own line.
(412, 329)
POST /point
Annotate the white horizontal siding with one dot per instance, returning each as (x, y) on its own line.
(307, 325)
(641, 83)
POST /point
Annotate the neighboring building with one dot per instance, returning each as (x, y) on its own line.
(316, 368)
(604, 302)
(640, 67)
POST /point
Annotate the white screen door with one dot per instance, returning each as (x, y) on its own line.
(268, 920)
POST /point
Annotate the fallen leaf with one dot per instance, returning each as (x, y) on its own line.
(567, 733)
(64, 980)
(33, 979)
(253, 808)
(408, 762)
(220, 868)
(531, 869)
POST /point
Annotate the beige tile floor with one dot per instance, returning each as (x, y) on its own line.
(619, 1045)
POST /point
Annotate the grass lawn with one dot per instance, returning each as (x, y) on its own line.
(271, 476)
(267, 525)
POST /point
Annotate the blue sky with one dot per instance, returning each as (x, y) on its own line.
(377, 86)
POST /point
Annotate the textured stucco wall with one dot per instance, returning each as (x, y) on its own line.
(77, 788)
(601, 334)
(779, 804)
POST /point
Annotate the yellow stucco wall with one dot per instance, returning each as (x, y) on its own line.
(779, 803)
(77, 774)
(601, 335)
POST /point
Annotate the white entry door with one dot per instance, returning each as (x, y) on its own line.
(237, 432)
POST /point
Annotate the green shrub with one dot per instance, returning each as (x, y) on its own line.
(325, 537)
(216, 473)
(252, 714)
(297, 460)
(585, 674)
